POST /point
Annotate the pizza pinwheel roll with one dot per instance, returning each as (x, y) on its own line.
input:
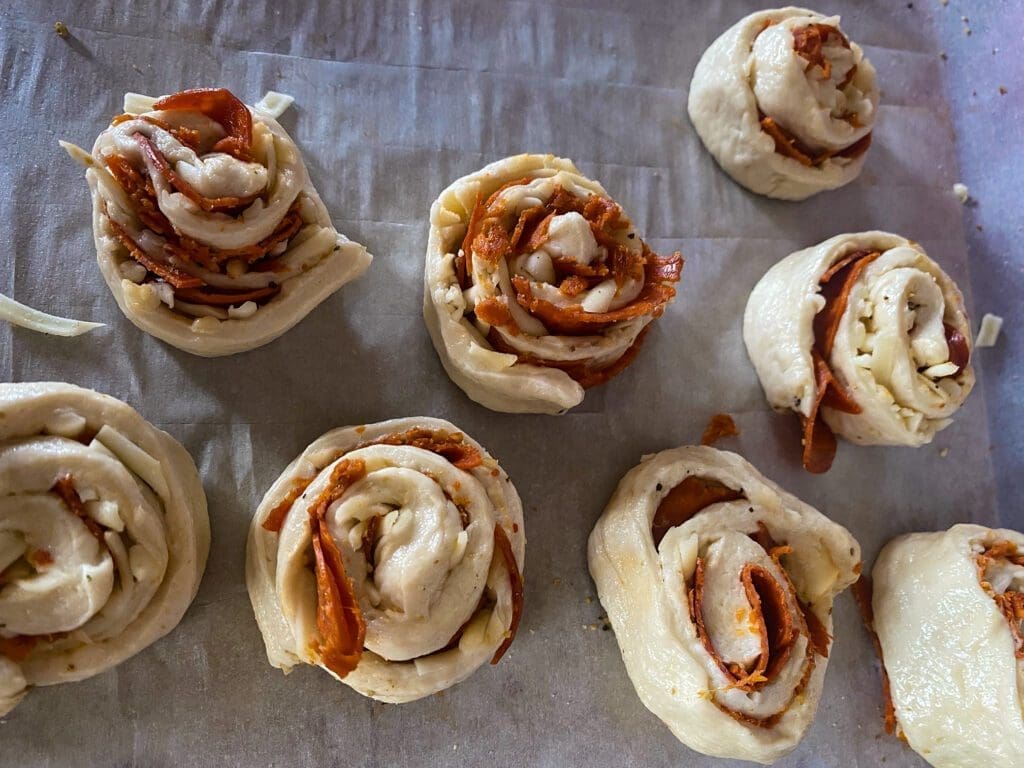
(862, 336)
(390, 555)
(785, 103)
(537, 286)
(208, 230)
(103, 535)
(719, 586)
(949, 617)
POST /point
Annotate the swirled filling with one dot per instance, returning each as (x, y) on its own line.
(82, 544)
(1001, 575)
(760, 639)
(390, 542)
(903, 341)
(811, 100)
(555, 275)
(208, 204)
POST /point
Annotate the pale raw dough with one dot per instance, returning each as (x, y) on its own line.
(429, 575)
(903, 401)
(495, 379)
(114, 598)
(747, 70)
(956, 687)
(645, 591)
(320, 259)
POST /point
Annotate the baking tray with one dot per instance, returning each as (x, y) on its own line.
(394, 101)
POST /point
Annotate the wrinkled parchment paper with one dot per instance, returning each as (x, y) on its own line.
(393, 101)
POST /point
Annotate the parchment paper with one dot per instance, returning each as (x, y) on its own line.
(394, 101)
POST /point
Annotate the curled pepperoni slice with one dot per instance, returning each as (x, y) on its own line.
(222, 106)
(338, 617)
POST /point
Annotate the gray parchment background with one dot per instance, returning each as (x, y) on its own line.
(394, 101)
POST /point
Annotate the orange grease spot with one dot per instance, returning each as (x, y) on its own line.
(721, 425)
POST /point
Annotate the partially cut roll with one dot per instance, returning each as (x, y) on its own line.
(103, 535)
(862, 336)
(719, 586)
(208, 230)
(536, 284)
(785, 103)
(949, 616)
(390, 555)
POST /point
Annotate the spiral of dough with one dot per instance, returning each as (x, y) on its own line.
(391, 555)
(785, 103)
(208, 229)
(863, 336)
(536, 285)
(719, 586)
(103, 535)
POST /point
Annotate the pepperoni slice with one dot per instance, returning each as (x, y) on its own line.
(215, 298)
(504, 546)
(788, 145)
(451, 445)
(222, 106)
(809, 41)
(494, 311)
(338, 617)
(140, 191)
(275, 519)
(778, 629)
(770, 614)
(687, 499)
(836, 285)
(169, 273)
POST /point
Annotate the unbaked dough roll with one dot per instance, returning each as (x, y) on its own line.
(103, 535)
(785, 102)
(719, 586)
(537, 286)
(391, 555)
(208, 230)
(949, 615)
(862, 336)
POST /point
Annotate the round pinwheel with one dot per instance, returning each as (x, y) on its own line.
(208, 230)
(390, 555)
(103, 535)
(785, 103)
(537, 286)
(862, 336)
(719, 586)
